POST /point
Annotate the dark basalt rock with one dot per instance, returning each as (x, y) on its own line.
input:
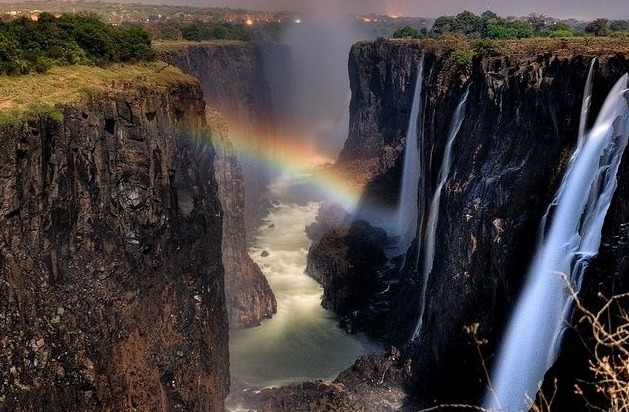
(236, 83)
(249, 296)
(520, 128)
(111, 282)
(347, 262)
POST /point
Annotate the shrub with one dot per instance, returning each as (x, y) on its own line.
(561, 34)
(462, 60)
(486, 47)
(407, 32)
(620, 35)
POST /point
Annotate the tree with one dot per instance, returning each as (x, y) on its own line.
(598, 27)
(407, 32)
(444, 24)
(468, 23)
(619, 25)
(538, 21)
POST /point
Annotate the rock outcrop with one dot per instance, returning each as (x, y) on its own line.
(111, 282)
(249, 296)
(235, 82)
(520, 127)
(373, 384)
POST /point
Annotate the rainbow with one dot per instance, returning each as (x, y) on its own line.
(292, 156)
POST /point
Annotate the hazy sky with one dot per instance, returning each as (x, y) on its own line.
(582, 9)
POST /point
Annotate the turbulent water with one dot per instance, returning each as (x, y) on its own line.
(433, 214)
(573, 237)
(302, 342)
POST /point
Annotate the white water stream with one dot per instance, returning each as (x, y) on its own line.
(433, 214)
(302, 341)
(533, 336)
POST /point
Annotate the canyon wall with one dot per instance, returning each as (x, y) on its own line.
(247, 83)
(249, 296)
(519, 130)
(111, 286)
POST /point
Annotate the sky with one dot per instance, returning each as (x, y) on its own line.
(581, 9)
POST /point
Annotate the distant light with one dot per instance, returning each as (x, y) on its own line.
(249, 22)
(297, 21)
(366, 20)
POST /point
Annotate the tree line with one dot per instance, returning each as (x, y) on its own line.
(491, 26)
(35, 46)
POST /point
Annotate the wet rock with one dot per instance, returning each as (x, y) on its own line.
(508, 160)
(346, 263)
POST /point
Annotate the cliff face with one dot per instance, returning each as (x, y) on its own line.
(519, 129)
(249, 296)
(234, 82)
(111, 292)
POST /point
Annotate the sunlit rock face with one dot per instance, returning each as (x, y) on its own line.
(521, 124)
(111, 291)
(236, 81)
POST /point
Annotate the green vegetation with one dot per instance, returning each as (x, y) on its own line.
(491, 26)
(36, 46)
(462, 60)
(486, 47)
(24, 96)
(408, 32)
(559, 34)
(197, 31)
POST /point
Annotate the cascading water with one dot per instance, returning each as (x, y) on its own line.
(405, 221)
(587, 103)
(533, 337)
(433, 216)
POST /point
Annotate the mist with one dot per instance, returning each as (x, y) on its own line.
(580, 9)
(320, 42)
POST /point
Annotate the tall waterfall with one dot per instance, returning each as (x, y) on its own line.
(533, 336)
(587, 103)
(433, 216)
(406, 217)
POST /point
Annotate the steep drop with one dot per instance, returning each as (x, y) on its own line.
(534, 334)
(433, 215)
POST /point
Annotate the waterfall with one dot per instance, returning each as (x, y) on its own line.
(406, 217)
(586, 104)
(585, 112)
(433, 216)
(533, 337)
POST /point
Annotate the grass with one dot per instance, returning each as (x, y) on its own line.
(22, 97)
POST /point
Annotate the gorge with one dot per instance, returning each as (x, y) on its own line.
(179, 234)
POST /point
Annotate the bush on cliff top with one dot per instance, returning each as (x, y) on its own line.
(35, 46)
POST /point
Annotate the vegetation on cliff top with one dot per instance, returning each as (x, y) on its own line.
(24, 96)
(491, 26)
(462, 49)
(36, 46)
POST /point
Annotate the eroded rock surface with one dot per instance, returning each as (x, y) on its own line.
(111, 282)
(249, 296)
(236, 84)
